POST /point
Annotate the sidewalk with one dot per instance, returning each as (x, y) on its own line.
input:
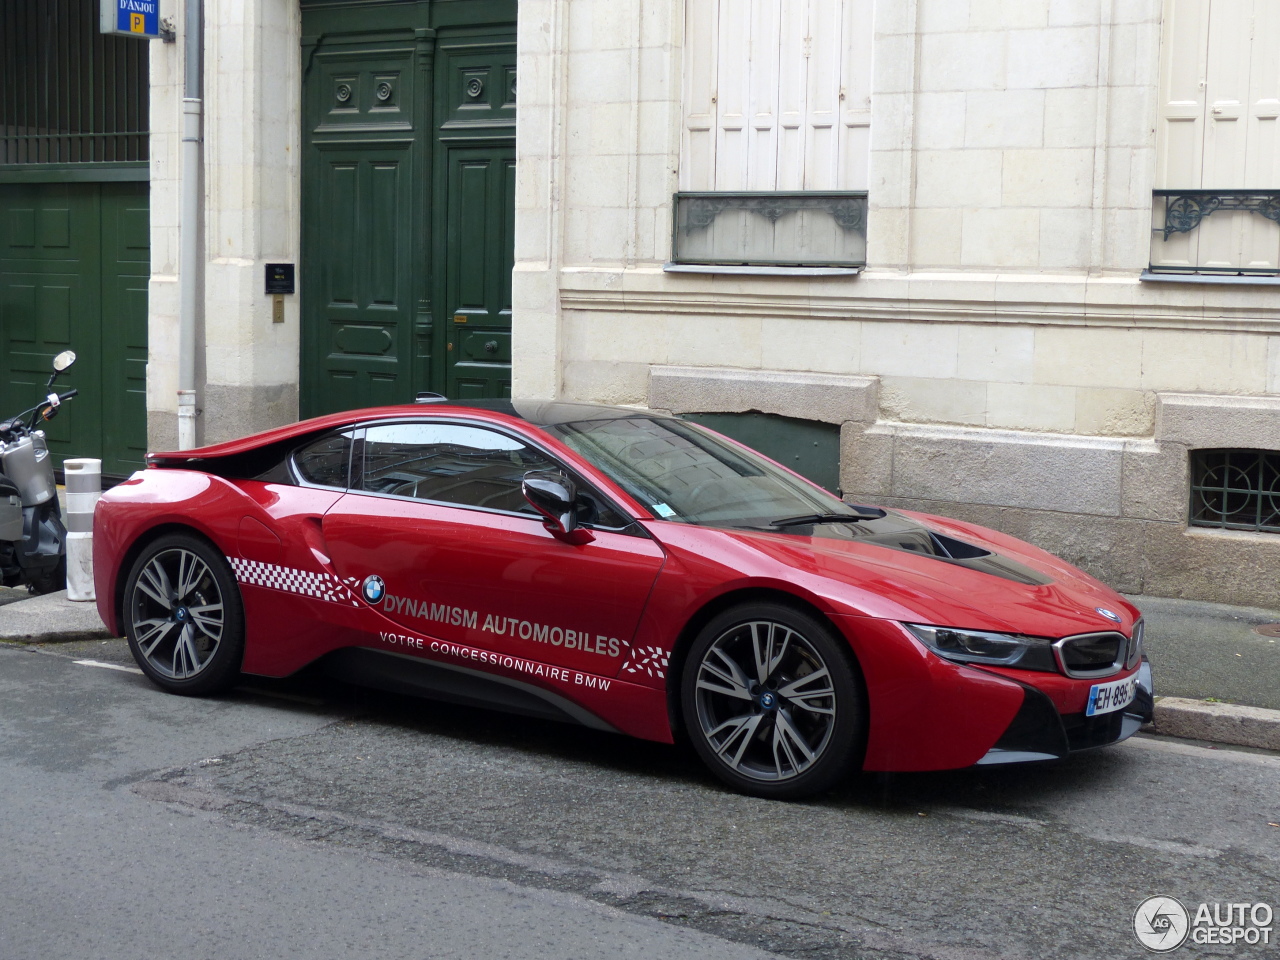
(1211, 650)
(1216, 677)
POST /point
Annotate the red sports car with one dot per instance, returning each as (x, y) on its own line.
(621, 569)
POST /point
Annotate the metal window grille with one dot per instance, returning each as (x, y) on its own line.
(68, 94)
(771, 228)
(1236, 489)
(1177, 213)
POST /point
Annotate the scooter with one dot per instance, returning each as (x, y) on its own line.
(33, 541)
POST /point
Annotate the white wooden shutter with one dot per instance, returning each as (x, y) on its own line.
(1219, 110)
(855, 89)
(1180, 138)
(1261, 241)
(701, 79)
(776, 94)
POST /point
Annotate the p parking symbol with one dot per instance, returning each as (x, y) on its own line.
(137, 23)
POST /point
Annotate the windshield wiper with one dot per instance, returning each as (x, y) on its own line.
(870, 513)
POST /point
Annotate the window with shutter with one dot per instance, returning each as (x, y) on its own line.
(1216, 209)
(776, 136)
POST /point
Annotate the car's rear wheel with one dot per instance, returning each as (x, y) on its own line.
(772, 701)
(183, 616)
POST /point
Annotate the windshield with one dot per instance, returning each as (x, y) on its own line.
(681, 472)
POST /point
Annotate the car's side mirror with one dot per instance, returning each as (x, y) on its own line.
(554, 496)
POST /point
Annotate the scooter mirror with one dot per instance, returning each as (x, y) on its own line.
(63, 361)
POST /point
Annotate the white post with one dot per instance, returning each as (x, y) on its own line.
(84, 486)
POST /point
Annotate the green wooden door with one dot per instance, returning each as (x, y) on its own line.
(358, 286)
(408, 200)
(363, 165)
(481, 220)
(74, 266)
(122, 354)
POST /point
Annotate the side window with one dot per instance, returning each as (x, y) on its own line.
(449, 463)
(597, 513)
(324, 461)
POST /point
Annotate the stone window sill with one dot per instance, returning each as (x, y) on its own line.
(761, 271)
(1252, 280)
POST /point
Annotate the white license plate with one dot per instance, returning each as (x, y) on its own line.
(1109, 697)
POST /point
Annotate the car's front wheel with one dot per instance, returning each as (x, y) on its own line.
(772, 701)
(183, 616)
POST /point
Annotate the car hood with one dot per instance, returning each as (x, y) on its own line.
(916, 568)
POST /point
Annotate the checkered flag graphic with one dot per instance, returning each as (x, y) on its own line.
(648, 660)
(307, 583)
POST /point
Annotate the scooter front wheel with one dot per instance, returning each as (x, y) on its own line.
(54, 580)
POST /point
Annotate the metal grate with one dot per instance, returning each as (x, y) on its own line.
(1236, 489)
(1178, 212)
(68, 94)
(771, 228)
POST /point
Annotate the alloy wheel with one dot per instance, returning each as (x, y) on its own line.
(766, 701)
(178, 614)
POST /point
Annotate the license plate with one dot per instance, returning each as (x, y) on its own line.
(1109, 697)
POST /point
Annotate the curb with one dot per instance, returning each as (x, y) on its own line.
(1217, 723)
(51, 618)
(59, 636)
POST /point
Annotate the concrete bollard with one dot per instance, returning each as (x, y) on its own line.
(84, 487)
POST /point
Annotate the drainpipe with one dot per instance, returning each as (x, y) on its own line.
(189, 225)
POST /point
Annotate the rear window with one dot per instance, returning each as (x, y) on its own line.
(325, 462)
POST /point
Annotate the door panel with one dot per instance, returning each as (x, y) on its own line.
(74, 268)
(50, 286)
(363, 164)
(50, 280)
(359, 299)
(496, 581)
(126, 271)
(479, 259)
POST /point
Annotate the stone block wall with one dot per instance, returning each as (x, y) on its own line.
(1116, 507)
(247, 366)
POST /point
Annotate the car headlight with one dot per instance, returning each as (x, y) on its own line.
(1135, 645)
(993, 649)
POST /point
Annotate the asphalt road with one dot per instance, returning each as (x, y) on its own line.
(306, 819)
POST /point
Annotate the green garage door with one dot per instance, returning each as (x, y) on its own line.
(74, 265)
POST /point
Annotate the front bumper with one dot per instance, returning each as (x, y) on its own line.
(1039, 732)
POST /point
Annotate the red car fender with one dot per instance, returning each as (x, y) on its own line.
(924, 713)
(703, 569)
(147, 500)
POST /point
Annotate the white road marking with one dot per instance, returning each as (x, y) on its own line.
(109, 666)
(1012, 819)
(1150, 843)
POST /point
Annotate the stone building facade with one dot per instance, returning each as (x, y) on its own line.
(1008, 354)
(1001, 313)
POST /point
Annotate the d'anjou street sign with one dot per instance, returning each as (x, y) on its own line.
(133, 18)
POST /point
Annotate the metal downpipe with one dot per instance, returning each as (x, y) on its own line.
(189, 223)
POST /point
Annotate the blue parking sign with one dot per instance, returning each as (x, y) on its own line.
(131, 18)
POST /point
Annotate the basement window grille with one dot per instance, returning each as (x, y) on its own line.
(1236, 489)
(69, 94)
